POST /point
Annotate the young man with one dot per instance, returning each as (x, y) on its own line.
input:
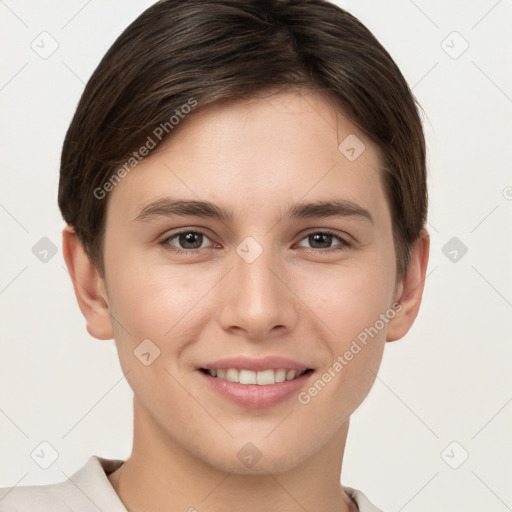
(245, 191)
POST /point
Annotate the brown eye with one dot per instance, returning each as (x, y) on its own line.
(185, 241)
(322, 241)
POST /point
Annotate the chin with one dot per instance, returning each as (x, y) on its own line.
(249, 460)
(271, 466)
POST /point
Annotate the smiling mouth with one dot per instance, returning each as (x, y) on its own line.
(261, 378)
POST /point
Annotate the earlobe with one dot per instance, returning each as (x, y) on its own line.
(410, 289)
(89, 287)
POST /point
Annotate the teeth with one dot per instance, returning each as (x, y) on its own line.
(232, 375)
(248, 377)
(280, 375)
(290, 374)
(263, 378)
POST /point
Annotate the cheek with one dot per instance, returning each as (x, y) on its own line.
(168, 305)
(356, 346)
(152, 298)
(354, 305)
(348, 300)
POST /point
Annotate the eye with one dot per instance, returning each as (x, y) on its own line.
(189, 241)
(323, 240)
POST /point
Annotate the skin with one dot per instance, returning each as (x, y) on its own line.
(256, 158)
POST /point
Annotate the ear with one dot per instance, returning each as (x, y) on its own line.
(89, 287)
(410, 289)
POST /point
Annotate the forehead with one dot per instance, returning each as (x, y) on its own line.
(254, 155)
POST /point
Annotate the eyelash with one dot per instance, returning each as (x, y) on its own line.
(343, 246)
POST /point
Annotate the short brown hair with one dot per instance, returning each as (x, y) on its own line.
(225, 50)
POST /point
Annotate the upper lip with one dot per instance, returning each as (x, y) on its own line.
(256, 364)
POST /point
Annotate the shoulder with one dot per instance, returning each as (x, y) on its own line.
(34, 498)
(85, 491)
(363, 503)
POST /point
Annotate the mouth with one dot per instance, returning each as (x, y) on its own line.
(266, 377)
(256, 382)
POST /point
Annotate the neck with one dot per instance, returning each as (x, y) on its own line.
(160, 472)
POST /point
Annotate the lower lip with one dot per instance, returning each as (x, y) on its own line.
(254, 395)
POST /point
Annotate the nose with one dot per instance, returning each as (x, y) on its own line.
(257, 297)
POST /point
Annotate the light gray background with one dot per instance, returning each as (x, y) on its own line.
(448, 380)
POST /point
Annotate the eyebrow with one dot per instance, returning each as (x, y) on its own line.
(168, 207)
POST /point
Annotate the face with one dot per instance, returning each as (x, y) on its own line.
(267, 277)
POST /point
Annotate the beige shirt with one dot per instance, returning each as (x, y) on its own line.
(89, 490)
